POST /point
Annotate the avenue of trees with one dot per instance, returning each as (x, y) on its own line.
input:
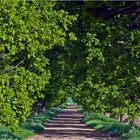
(53, 50)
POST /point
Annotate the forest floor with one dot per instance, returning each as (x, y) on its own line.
(68, 125)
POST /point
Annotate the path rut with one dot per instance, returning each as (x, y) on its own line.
(68, 125)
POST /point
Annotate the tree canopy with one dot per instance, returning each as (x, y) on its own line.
(50, 51)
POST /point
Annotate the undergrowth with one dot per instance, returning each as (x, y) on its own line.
(34, 124)
(109, 125)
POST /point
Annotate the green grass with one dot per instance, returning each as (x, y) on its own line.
(33, 125)
(103, 123)
(7, 134)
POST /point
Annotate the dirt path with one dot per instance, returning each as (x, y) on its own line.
(68, 126)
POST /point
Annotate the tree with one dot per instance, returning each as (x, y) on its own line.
(28, 30)
(104, 60)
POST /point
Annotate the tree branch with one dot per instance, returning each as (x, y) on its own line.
(106, 12)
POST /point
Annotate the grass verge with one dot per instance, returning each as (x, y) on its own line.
(33, 125)
(112, 126)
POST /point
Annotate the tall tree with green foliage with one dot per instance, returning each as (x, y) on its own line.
(103, 63)
(28, 30)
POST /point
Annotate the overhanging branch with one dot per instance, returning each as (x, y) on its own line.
(106, 12)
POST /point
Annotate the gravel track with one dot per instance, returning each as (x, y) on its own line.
(68, 125)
